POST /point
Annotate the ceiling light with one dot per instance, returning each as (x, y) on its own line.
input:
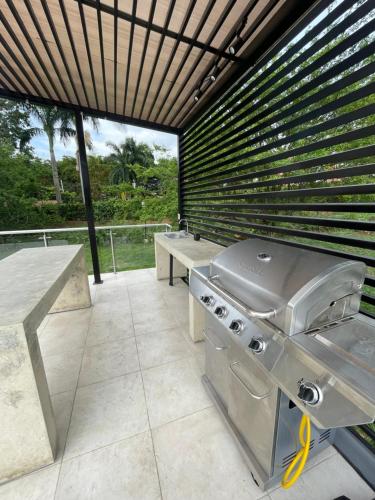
(213, 74)
(236, 45)
(197, 95)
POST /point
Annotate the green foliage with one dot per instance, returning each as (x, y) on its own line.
(72, 211)
(117, 210)
(121, 190)
(69, 174)
(27, 193)
(160, 209)
(15, 128)
(128, 158)
(99, 169)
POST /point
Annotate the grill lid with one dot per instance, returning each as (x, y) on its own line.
(296, 289)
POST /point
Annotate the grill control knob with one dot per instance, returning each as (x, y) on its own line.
(309, 393)
(208, 300)
(257, 344)
(236, 326)
(221, 312)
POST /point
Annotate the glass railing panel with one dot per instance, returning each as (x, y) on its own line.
(104, 250)
(82, 238)
(119, 248)
(10, 244)
(134, 247)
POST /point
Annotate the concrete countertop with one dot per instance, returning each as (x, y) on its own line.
(34, 281)
(29, 276)
(189, 252)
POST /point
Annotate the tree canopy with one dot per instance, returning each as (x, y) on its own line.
(147, 190)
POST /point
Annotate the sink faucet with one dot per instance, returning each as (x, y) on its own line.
(187, 225)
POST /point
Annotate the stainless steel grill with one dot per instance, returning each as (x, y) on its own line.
(284, 336)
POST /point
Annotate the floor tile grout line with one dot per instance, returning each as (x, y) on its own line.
(74, 399)
(191, 353)
(182, 417)
(60, 392)
(148, 416)
(190, 356)
(88, 452)
(114, 341)
(72, 351)
(28, 474)
(108, 379)
(159, 331)
(119, 339)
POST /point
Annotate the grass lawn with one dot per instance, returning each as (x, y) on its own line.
(128, 256)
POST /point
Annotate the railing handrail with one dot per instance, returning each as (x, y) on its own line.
(71, 229)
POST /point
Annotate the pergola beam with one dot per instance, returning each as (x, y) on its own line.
(157, 29)
(115, 117)
(156, 59)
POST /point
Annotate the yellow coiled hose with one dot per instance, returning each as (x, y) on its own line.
(301, 456)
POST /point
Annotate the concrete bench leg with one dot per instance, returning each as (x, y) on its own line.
(28, 433)
(76, 293)
(162, 264)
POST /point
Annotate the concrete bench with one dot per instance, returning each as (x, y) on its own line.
(33, 282)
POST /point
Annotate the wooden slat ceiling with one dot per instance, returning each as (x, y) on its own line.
(141, 61)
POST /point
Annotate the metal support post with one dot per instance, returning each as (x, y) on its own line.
(113, 251)
(87, 197)
(170, 270)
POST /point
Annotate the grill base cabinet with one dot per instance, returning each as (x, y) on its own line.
(262, 419)
(284, 338)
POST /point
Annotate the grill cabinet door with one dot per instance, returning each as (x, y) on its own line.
(252, 406)
(217, 347)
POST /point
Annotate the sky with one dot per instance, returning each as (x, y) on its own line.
(108, 131)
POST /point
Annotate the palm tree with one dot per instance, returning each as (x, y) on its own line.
(88, 139)
(125, 156)
(54, 121)
(57, 122)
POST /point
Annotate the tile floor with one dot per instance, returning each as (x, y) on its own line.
(133, 419)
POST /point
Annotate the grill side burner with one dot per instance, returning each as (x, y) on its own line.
(284, 337)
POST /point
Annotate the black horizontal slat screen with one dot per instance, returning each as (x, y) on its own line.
(288, 152)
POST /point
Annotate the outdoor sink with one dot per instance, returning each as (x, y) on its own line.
(176, 235)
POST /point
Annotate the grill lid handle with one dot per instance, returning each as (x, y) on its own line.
(252, 313)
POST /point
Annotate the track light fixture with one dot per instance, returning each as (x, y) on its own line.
(236, 45)
(213, 74)
(238, 41)
(197, 95)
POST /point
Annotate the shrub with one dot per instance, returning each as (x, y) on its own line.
(73, 210)
(104, 210)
